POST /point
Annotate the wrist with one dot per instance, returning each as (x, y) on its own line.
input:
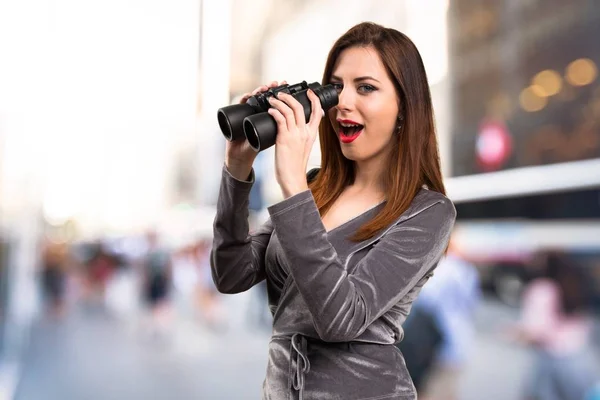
(292, 190)
(238, 169)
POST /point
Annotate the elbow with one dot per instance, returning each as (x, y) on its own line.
(231, 281)
(333, 337)
(336, 334)
(344, 325)
(225, 286)
(226, 289)
(221, 277)
(229, 291)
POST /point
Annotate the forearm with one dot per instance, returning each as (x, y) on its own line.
(237, 258)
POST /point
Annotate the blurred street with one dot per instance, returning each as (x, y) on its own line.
(113, 143)
(94, 355)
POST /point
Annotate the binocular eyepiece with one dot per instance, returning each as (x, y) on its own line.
(252, 122)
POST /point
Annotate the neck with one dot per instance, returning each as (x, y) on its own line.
(369, 176)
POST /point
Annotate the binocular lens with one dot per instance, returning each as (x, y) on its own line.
(251, 135)
(231, 118)
(224, 124)
(261, 131)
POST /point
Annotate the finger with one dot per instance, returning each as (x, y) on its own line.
(273, 84)
(279, 119)
(259, 89)
(316, 113)
(296, 108)
(285, 110)
(245, 97)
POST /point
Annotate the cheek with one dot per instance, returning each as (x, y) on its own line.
(381, 117)
(331, 114)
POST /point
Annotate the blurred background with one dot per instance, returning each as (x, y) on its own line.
(111, 158)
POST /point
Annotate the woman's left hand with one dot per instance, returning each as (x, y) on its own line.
(295, 139)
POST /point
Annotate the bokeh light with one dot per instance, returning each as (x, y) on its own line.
(530, 100)
(549, 81)
(581, 72)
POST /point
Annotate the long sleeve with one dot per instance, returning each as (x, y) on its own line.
(237, 257)
(343, 305)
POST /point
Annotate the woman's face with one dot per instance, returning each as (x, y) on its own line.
(366, 117)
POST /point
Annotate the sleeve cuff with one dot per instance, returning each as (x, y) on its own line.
(233, 181)
(296, 217)
(290, 203)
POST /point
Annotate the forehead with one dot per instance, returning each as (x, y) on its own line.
(359, 61)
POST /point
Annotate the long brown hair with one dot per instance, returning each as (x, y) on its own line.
(414, 158)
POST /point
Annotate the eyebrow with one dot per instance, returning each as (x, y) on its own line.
(358, 79)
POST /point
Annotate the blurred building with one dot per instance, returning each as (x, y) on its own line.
(525, 101)
(97, 99)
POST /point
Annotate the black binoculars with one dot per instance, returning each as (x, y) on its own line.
(252, 122)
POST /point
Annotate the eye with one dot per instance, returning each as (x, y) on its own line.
(365, 88)
(338, 87)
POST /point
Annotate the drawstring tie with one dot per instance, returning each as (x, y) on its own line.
(300, 349)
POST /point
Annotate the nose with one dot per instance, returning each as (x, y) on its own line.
(345, 100)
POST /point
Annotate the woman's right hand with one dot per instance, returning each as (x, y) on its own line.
(239, 155)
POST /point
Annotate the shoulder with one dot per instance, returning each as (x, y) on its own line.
(426, 224)
(424, 229)
(429, 214)
(432, 204)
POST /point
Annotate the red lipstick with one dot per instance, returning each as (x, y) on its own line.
(347, 121)
(349, 138)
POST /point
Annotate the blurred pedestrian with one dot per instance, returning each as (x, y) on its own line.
(54, 265)
(100, 268)
(186, 276)
(212, 311)
(557, 325)
(157, 285)
(440, 330)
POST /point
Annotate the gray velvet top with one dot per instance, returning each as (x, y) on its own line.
(338, 306)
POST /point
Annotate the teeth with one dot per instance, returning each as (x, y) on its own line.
(350, 129)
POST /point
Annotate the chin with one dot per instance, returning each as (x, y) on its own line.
(347, 153)
(351, 155)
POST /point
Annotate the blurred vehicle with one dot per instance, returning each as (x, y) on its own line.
(503, 234)
(525, 134)
(504, 253)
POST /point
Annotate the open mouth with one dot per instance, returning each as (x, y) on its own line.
(349, 132)
(350, 129)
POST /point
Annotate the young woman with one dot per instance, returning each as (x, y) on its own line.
(349, 248)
